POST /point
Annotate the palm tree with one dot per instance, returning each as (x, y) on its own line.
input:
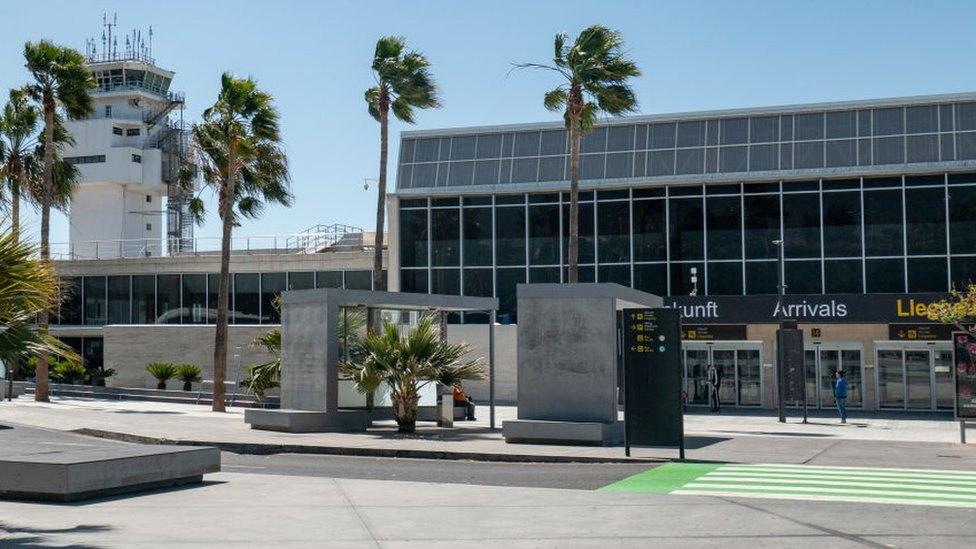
(60, 78)
(238, 151)
(403, 83)
(27, 287)
(595, 69)
(407, 363)
(18, 135)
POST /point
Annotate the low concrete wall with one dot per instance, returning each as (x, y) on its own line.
(129, 348)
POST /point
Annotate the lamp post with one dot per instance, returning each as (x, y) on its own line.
(780, 367)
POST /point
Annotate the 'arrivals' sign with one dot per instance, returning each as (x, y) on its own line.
(827, 308)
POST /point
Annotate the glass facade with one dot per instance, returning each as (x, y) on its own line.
(851, 235)
(825, 138)
(188, 298)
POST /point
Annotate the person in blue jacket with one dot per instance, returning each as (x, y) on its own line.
(840, 395)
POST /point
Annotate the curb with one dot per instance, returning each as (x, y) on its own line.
(266, 449)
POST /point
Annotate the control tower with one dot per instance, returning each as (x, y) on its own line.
(129, 152)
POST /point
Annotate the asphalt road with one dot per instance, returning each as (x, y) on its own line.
(580, 476)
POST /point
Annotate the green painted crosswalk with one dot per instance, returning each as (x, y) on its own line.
(804, 482)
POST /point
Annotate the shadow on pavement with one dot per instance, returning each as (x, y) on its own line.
(39, 537)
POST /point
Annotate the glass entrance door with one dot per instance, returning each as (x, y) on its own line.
(914, 376)
(820, 364)
(739, 365)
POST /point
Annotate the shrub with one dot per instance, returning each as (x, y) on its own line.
(99, 374)
(188, 374)
(162, 371)
(68, 371)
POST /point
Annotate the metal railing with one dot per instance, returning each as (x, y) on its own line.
(298, 243)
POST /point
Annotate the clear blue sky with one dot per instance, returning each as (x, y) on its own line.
(314, 57)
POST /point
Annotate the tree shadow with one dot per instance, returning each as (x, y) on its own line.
(26, 536)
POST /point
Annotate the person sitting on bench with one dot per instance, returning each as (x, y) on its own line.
(462, 399)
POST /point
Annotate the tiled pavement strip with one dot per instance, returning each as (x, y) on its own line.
(803, 482)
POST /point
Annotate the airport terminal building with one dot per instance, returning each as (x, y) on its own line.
(875, 202)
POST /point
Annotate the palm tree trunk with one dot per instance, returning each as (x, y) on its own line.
(15, 207)
(41, 388)
(223, 296)
(574, 139)
(378, 283)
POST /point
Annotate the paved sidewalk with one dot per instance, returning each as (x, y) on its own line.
(245, 510)
(737, 438)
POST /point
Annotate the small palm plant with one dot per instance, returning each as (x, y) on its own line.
(188, 374)
(162, 371)
(263, 377)
(407, 363)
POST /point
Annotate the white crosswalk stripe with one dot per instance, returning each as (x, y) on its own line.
(897, 486)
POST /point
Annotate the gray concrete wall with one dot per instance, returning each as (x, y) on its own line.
(567, 359)
(304, 356)
(506, 344)
(129, 348)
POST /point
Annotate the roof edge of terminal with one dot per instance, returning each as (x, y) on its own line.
(716, 113)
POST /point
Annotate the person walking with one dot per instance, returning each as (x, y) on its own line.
(840, 394)
(714, 379)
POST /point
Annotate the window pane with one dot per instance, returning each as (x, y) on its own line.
(764, 129)
(840, 124)
(761, 277)
(724, 278)
(652, 279)
(922, 148)
(802, 277)
(883, 223)
(763, 157)
(925, 226)
(413, 281)
(889, 121)
(885, 275)
(195, 299)
(735, 131)
(505, 281)
(889, 150)
(922, 119)
(660, 163)
(594, 141)
(690, 134)
(841, 153)
(724, 222)
(842, 224)
(325, 279)
(681, 283)
(358, 280)
(809, 155)
(649, 217)
(413, 238)
(544, 235)
(445, 281)
(662, 135)
(690, 161)
(525, 170)
(962, 220)
(462, 148)
(445, 236)
(733, 159)
(620, 165)
(843, 277)
(489, 146)
(554, 142)
(486, 172)
(963, 272)
(477, 236)
(510, 235)
(927, 274)
(686, 228)
(801, 225)
(168, 292)
(591, 166)
(143, 299)
(272, 284)
(810, 126)
(213, 290)
(96, 306)
(613, 231)
(586, 238)
(551, 168)
(247, 302)
(617, 274)
(620, 138)
(301, 281)
(119, 306)
(762, 226)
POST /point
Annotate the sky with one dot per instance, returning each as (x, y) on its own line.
(314, 58)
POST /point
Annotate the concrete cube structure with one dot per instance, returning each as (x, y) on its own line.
(568, 353)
